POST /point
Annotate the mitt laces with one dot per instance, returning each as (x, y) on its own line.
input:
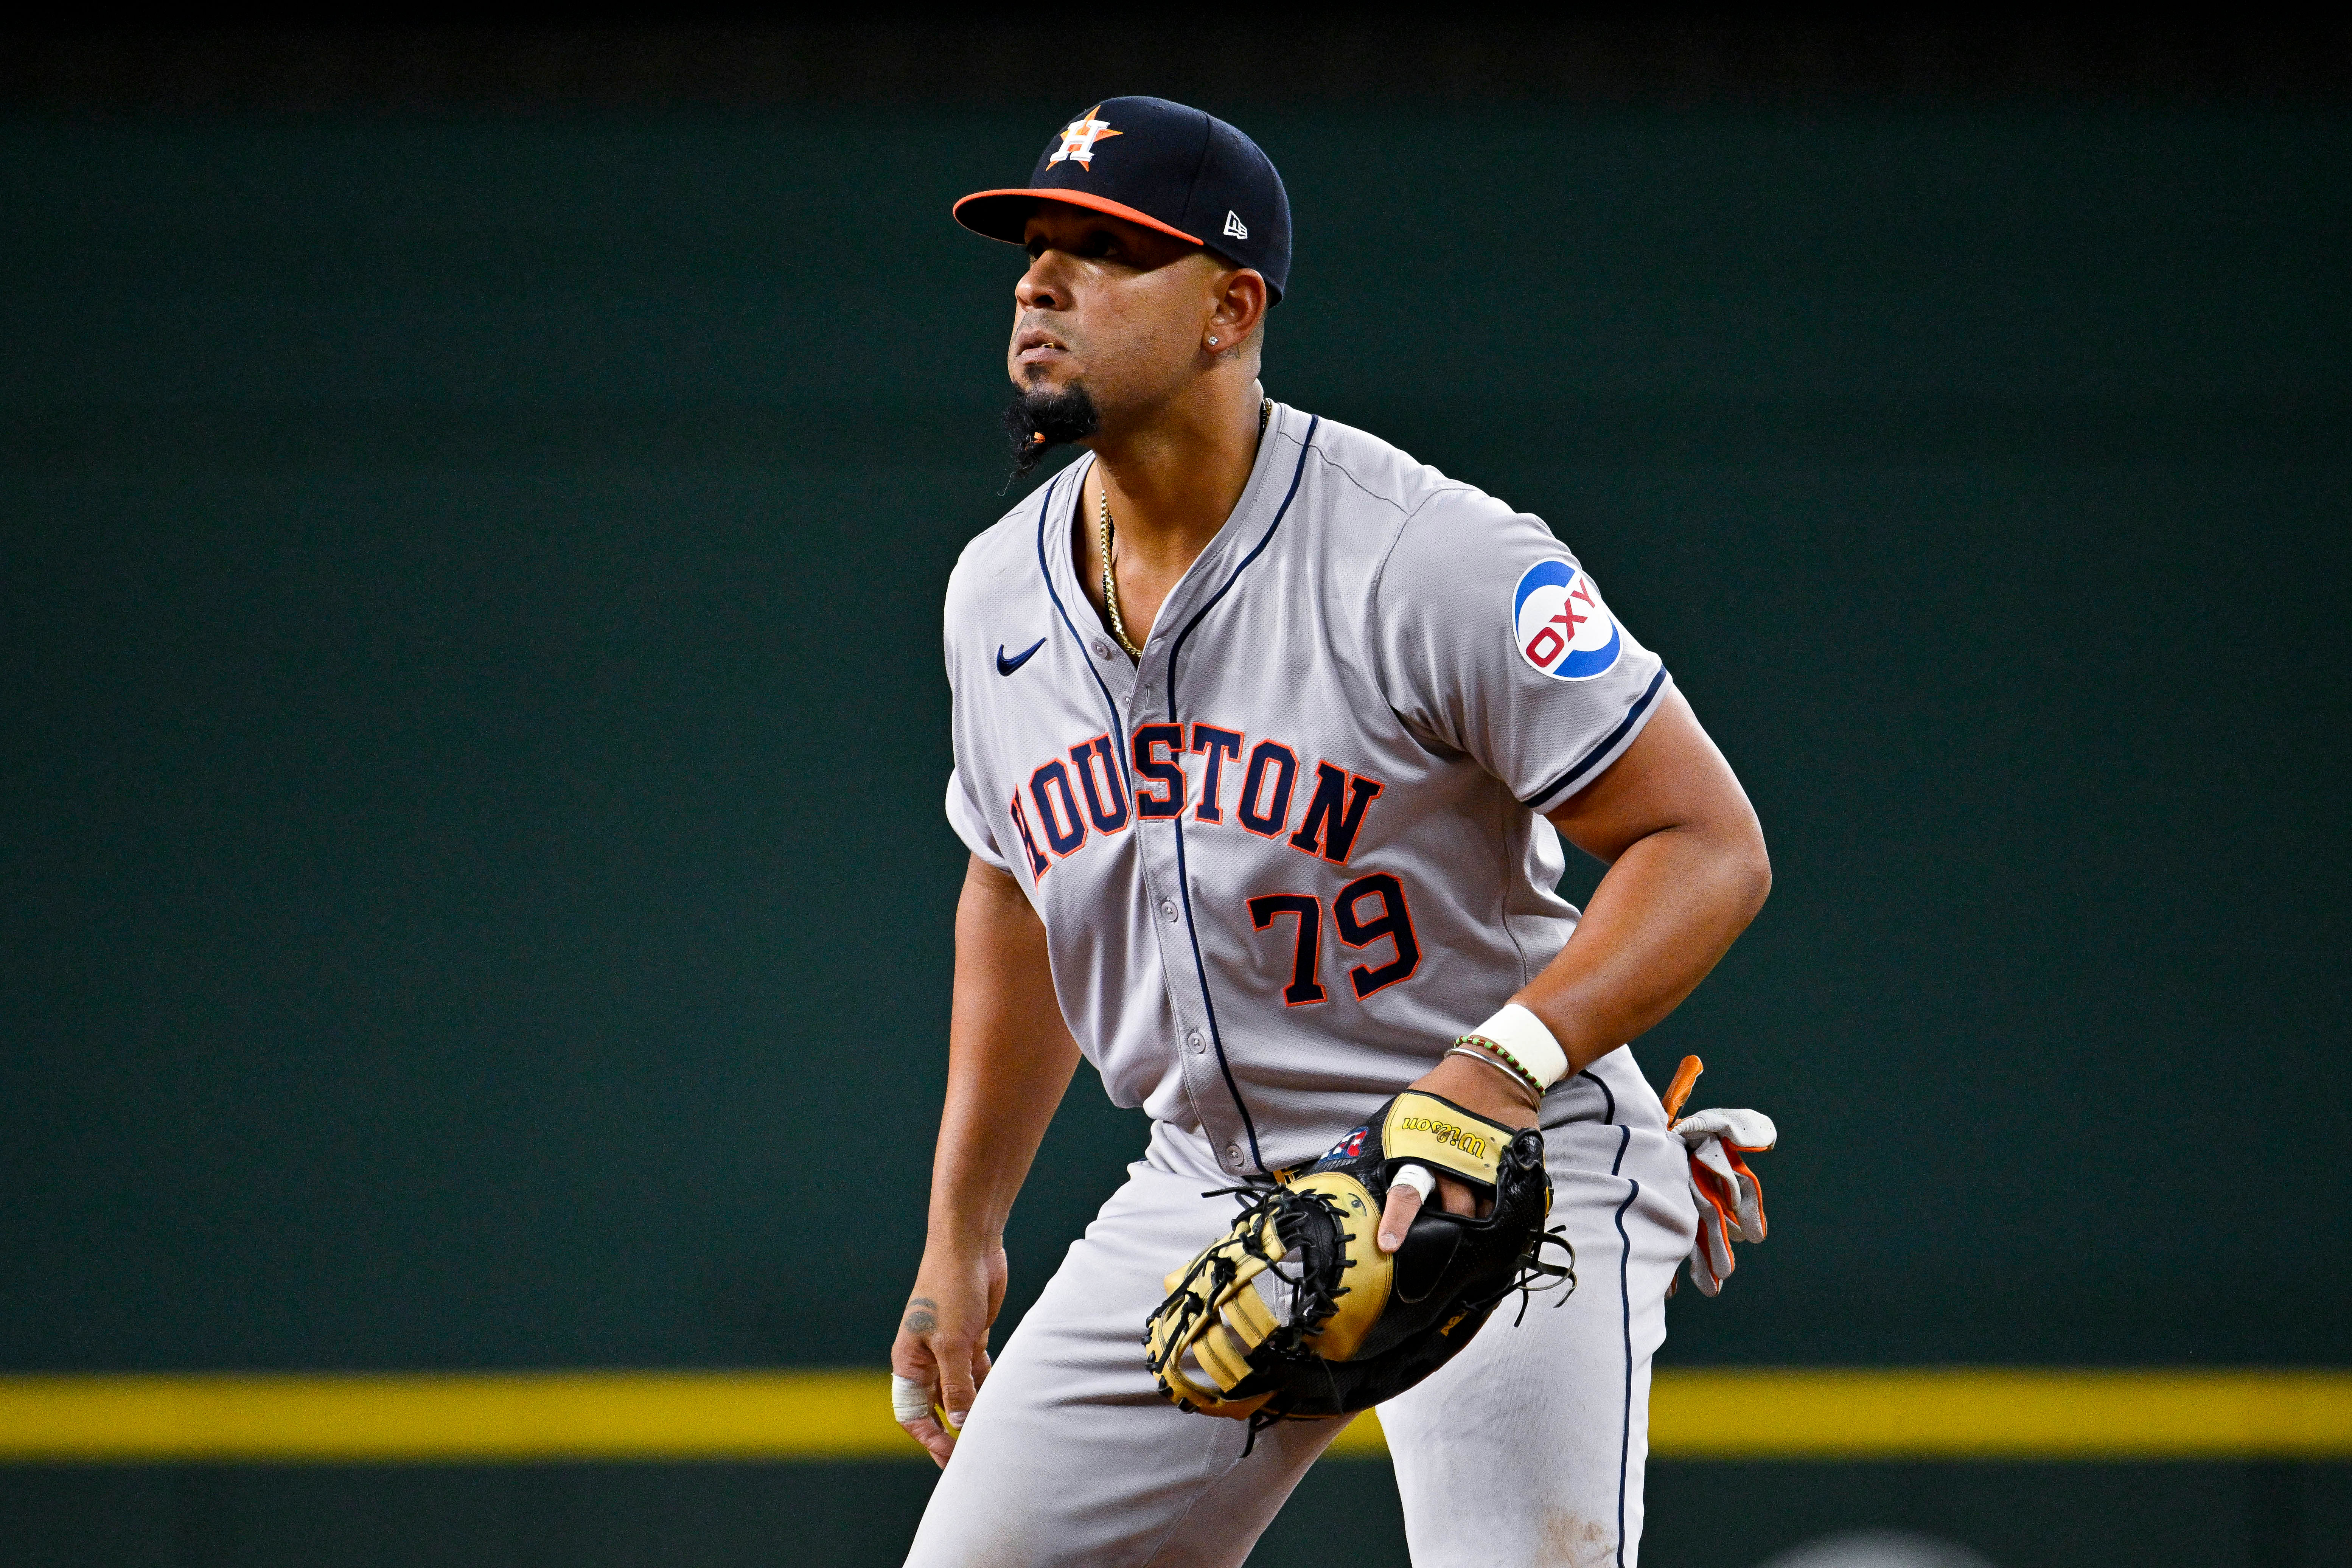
(1313, 1298)
(1539, 1275)
(1315, 1293)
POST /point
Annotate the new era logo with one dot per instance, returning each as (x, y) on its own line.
(1236, 227)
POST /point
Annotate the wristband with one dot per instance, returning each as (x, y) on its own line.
(1523, 1041)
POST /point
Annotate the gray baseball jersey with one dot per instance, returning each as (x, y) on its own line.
(1287, 856)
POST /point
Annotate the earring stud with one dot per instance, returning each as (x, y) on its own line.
(1213, 342)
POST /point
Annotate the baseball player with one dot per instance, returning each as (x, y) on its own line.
(1266, 740)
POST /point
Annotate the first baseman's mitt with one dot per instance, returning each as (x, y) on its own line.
(1295, 1313)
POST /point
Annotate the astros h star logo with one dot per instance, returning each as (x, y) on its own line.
(1080, 136)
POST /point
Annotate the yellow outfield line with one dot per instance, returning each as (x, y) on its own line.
(456, 1416)
(1762, 1414)
(2001, 1414)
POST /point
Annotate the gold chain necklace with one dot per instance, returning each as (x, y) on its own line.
(1103, 536)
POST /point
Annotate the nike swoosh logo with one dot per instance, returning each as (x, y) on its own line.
(1007, 665)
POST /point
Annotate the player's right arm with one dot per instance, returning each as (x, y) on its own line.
(1010, 1059)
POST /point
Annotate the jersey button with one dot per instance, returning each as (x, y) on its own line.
(1102, 648)
(1233, 1154)
(1168, 908)
(1196, 1042)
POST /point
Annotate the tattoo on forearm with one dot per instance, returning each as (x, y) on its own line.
(922, 1315)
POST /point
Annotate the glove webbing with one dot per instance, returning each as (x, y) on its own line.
(1230, 1303)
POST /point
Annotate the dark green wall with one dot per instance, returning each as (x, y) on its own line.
(474, 734)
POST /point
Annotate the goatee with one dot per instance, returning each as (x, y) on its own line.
(1037, 421)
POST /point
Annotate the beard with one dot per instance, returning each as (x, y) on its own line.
(1037, 421)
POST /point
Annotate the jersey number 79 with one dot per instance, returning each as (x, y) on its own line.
(1392, 922)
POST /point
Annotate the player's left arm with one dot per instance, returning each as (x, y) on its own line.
(1687, 872)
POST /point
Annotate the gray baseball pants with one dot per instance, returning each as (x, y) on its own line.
(1529, 1447)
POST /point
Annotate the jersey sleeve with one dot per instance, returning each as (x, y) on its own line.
(968, 813)
(1489, 638)
(971, 824)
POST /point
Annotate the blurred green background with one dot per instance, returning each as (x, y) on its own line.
(474, 737)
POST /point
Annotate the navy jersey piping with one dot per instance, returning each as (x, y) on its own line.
(1625, 1310)
(1209, 1003)
(1609, 1100)
(1296, 474)
(1608, 1103)
(1633, 715)
(1184, 877)
(1046, 571)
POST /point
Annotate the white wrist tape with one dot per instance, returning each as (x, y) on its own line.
(1417, 1177)
(1523, 1035)
(909, 1399)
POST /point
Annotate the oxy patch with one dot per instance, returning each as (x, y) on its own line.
(1559, 624)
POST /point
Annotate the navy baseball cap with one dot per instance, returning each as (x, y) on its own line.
(1160, 164)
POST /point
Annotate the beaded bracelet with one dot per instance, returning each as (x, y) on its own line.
(1463, 1048)
(1519, 1069)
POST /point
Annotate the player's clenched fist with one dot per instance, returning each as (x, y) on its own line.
(1486, 1089)
(941, 1357)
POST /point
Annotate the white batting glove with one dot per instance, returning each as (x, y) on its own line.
(1731, 1198)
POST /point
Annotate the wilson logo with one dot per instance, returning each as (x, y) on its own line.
(1474, 1144)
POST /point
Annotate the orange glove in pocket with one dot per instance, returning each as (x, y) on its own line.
(1731, 1196)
